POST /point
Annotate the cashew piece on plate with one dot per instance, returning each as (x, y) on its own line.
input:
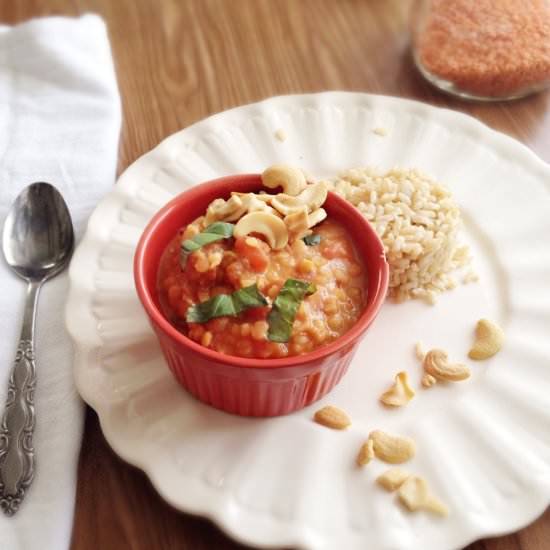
(313, 196)
(392, 479)
(290, 178)
(415, 495)
(400, 393)
(394, 449)
(489, 340)
(332, 417)
(436, 363)
(270, 226)
(366, 453)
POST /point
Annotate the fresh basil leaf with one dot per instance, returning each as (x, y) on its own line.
(215, 307)
(313, 239)
(286, 304)
(226, 305)
(214, 232)
(247, 298)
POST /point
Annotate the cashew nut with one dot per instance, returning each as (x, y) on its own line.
(212, 211)
(393, 449)
(415, 495)
(317, 216)
(313, 196)
(194, 228)
(436, 363)
(300, 222)
(392, 479)
(271, 227)
(290, 178)
(264, 197)
(400, 393)
(255, 203)
(332, 417)
(489, 340)
(297, 224)
(366, 453)
(227, 211)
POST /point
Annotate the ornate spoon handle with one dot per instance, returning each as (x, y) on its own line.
(17, 427)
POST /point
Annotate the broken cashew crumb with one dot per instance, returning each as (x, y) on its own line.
(470, 277)
(332, 417)
(431, 297)
(400, 393)
(489, 340)
(415, 495)
(366, 453)
(428, 380)
(392, 479)
(382, 132)
(451, 283)
(280, 134)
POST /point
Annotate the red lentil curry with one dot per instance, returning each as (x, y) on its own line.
(263, 292)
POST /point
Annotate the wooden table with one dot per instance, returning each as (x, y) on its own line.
(180, 60)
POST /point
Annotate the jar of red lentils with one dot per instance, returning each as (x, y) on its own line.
(483, 49)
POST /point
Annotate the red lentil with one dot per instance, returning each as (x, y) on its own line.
(488, 48)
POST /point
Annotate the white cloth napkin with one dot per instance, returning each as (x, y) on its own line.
(60, 123)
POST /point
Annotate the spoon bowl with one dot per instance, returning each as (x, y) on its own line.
(38, 236)
(37, 242)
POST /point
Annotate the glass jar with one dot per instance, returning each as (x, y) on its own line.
(483, 49)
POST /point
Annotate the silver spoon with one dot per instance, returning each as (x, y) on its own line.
(38, 241)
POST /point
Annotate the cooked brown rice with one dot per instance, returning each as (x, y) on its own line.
(418, 222)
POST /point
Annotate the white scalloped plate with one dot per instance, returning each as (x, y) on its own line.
(484, 445)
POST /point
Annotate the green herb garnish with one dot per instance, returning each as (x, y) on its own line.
(226, 304)
(286, 304)
(214, 232)
(312, 240)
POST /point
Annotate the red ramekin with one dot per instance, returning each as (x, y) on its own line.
(238, 385)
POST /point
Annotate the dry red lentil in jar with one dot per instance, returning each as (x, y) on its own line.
(483, 49)
(251, 296)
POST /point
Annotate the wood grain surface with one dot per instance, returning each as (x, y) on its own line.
(178, 61)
